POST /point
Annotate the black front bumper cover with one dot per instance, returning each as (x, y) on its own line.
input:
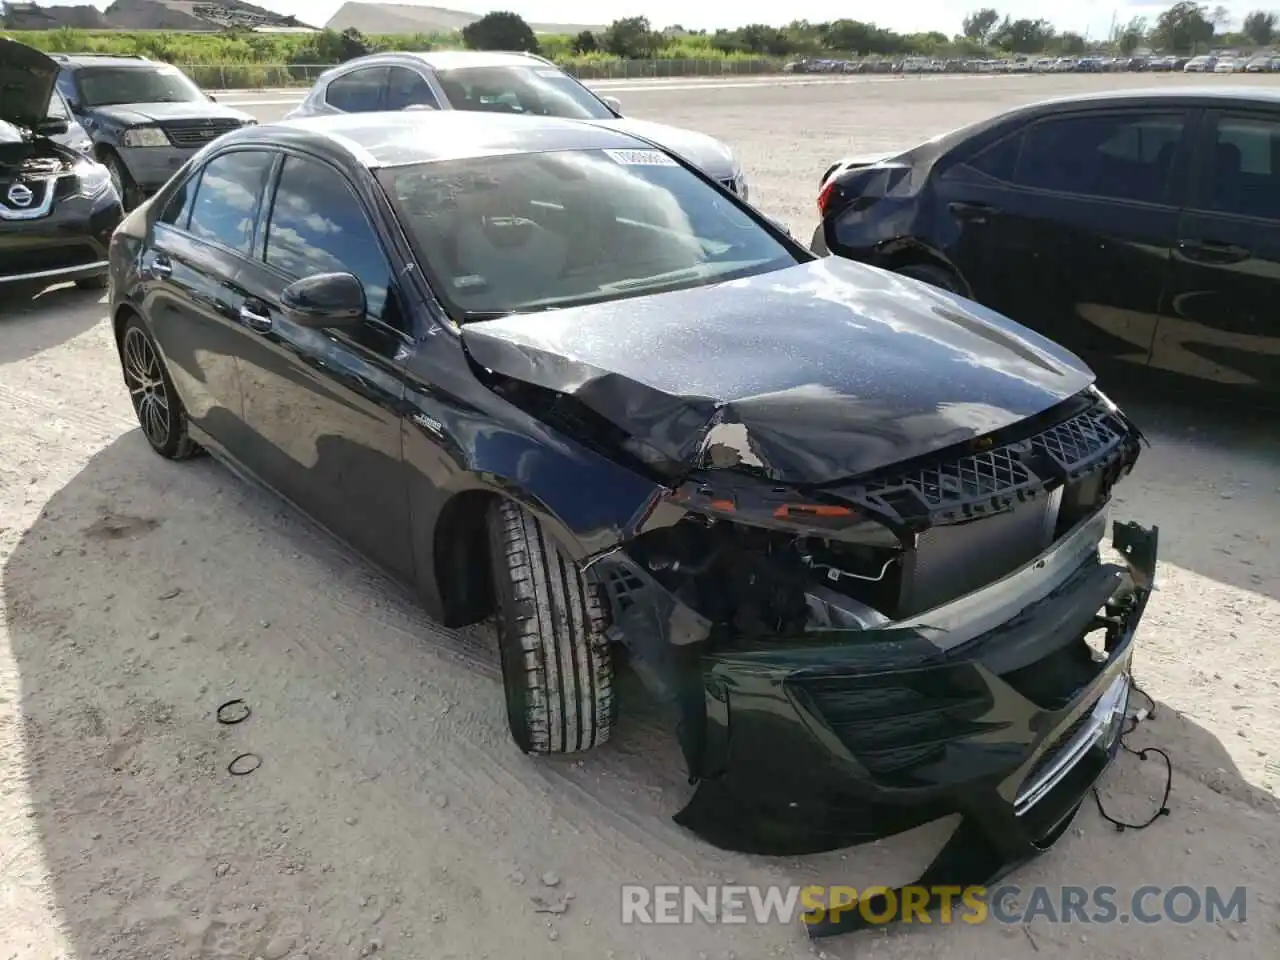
(813, 748)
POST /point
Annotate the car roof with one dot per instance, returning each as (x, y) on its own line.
(1159, 95)
(427, 136)
(454, 59)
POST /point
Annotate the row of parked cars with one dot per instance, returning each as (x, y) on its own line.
(1261, 63)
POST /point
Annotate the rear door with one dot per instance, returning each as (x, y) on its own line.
(325, 406)
(191, 293)
(1222, 331)
(1080, 243)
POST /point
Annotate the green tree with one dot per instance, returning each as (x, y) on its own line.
(329, 46)
(1183, 27)
(979, 25)
(500, 30)
(1071, 44)
(585, 42)
(631, 38)
(1260, 27)
(1130, 36)
(1023, 36)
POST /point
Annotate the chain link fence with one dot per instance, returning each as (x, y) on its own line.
(267, 76)
(271, 76)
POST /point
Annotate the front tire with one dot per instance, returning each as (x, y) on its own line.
(557, 668)
(130, 194)
(160, 413)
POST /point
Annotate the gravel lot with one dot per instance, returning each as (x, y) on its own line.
(391, 816)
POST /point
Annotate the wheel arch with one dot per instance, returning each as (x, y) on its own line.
(893, 255)
(460, 564)
(123, 313)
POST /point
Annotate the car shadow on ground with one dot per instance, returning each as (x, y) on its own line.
(1210, 480)
(148, 592)
(34, 319)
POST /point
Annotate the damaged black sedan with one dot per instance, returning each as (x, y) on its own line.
(851, 524)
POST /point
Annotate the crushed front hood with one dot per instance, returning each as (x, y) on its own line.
(812, 374)
(27, 79)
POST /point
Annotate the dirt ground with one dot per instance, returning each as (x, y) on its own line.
(391, 816)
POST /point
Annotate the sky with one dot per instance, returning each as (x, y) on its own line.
(1090, 17)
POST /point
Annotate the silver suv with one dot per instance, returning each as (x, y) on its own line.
(519, 83)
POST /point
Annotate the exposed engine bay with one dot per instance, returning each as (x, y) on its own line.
(765, 561)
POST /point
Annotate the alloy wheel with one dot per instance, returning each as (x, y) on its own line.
(147, 389)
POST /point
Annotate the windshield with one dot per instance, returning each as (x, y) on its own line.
(542, 91)
(105, 86)
(537, 231)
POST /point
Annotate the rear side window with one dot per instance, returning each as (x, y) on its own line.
(1117, 157)
(318, 225)
(995, 162)
(1245, 167)
(226, 200)
(408, 88)
(359, 91)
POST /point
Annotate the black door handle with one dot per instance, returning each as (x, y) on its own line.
(973, 212)
(1213, 252)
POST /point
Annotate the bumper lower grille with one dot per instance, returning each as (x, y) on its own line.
(197, 133)
(894, 729)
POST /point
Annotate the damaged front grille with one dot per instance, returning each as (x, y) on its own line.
(967, 483)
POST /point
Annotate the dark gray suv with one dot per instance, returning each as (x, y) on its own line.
(145, 118)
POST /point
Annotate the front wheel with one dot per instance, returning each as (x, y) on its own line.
(160, 413)
(130, 195)
(557, 668)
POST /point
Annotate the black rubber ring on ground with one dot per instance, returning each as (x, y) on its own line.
(242, 770)
(233, 718)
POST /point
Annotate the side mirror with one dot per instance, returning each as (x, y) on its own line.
(212, 97)
(52, 127)
(324, 300)
(417, 106)
(613, 103)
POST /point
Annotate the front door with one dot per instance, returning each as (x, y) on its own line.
(325, 406)
(1080, 243)
(1221, 333)
(190, 267)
